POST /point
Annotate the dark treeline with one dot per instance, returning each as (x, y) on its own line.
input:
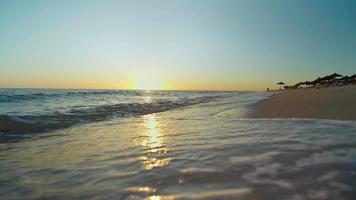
(332, 80)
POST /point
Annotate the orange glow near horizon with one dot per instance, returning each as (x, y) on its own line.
(148, 83)
(139, 81)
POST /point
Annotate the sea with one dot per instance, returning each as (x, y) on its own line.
(128, 144)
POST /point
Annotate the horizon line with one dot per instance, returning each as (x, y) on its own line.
(193, 90)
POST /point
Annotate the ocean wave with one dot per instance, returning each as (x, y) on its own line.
(18, 97)
(10, 125)
(58, 120)
(7, 98)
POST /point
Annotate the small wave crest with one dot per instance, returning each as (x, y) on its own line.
(47, 122)
(22, 97)
(10, 124)
(6, 97)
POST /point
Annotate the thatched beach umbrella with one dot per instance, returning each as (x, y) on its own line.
(317, 81)
(308, 83)
(353, 78)
(298, 84)
(331, 77)
(280, 84)
(335, 75)
(345, 78)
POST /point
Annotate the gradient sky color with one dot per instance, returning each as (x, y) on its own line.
(195, 44)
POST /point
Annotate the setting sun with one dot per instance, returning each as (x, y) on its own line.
(148, 83)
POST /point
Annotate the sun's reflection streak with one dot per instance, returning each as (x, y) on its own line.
(147, 97)
(155, 144)
(155, 197)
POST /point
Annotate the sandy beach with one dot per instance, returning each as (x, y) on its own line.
(325, 103)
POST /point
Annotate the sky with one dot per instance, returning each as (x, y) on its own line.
(182, 45)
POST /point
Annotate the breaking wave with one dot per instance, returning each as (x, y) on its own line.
(58, 120)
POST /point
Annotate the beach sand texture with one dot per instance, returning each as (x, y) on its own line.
(324, 103)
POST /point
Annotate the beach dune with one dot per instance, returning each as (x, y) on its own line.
(326, 103)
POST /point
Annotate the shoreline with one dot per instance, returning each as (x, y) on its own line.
(336, 103)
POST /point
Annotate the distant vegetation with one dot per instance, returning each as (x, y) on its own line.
(332, 80)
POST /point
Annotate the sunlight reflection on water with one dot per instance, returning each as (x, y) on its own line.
(154, 142)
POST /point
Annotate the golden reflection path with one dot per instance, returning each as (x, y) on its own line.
(154, 142)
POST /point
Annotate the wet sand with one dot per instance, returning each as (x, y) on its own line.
(337, 103)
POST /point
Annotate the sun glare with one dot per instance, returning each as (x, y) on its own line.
(148, 83)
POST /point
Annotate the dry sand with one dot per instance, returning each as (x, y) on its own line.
(325, 103)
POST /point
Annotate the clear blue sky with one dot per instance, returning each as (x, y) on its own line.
(195, 44)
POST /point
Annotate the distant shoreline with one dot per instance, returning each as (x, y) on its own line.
(338, 103)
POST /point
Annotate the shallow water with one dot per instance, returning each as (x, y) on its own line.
(40, 110)
(205, 150)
